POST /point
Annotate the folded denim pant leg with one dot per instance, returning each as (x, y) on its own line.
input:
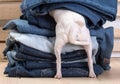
(14, 56)
(42, 65)
(26, 57)
(47, 44)
(10, 55)
(22, 26)
(20, 71)
(39, 54)
(105, 39)
(104, 9)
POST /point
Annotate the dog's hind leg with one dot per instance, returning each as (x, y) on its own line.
(88, 49)
(59, 43)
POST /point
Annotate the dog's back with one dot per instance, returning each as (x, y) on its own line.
(70, 25)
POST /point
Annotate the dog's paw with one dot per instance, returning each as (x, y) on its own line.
(92, 75)
(58, 76)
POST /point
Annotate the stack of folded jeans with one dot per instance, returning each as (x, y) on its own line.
(30, 43)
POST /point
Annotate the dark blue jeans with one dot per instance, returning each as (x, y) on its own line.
(105, 39)
(42, 65)
(32, 58)
(27, 53)
(81, 54)
(19, 71)
(104, 8)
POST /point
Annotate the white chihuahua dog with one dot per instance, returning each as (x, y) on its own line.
(71, 28)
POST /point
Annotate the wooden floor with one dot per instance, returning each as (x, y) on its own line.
(108, 77)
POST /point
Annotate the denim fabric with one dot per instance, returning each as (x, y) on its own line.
(36, 20)
(10, 56)
(32, 58)
(25, 53)
(22, 26)
(47, 44)
(19, 71)
(96, 12)
(42, 65)
(33, 41)
(99, 9)
(105, 39)
(21, 48)
(105, 8)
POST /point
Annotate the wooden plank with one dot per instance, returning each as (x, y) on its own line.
(117, 33)
(2, 47)
(118, 10)
(116, 46)
(11, 10)
(3, 22)
(9, 0)
(115, 54)
(3, 34)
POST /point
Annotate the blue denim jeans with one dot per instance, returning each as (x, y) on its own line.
(42, 65)
(95, 12)
(27, 53)
(22, 26)
(105, 39)
(19, 71)
(105, 8)
(36, 53)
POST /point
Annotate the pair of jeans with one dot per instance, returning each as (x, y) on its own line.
(22, 26)
(105, 39)
(41, 64)
(27, 53)
(36, 20)
(23, 52)
(19, 71)
(103, 8)
(47, 44)
(32, 58)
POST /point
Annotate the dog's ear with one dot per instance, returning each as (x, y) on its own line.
(80, 23)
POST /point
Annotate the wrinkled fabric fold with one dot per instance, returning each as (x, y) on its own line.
(37, 11)
(47, 44)
(20, 50)
(22, 26)
(105, 7)
(20, 71)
